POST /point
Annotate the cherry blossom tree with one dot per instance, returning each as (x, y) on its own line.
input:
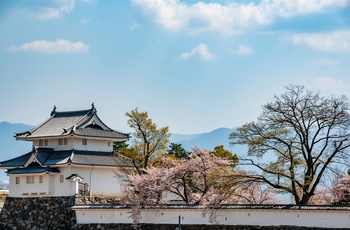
(193, 181)
(202, 180)
(341, 190)
(255, 193)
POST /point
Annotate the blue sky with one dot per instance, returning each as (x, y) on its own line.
(193, 66)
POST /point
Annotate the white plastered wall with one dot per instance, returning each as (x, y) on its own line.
(76, 143)
(259, 217)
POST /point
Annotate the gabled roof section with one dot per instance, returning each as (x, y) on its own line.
(37, 155)
(34, 168)
(75, 177)
(16, 162)
(100, 159)
(45, 157)
(84, 123)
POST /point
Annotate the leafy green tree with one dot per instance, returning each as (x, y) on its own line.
(149, 142)
(219, 151)
(178, 152)
(117, 146)
(296, 140)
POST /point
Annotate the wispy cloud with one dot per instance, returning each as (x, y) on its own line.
(335, 41)
(59, 46)
(226, 18)
(331, 83)
(52, 9)
(325, 62)
(201, 51)
(88, 1)
(85, 21)
(244, 50)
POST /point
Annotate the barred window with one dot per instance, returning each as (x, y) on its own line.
(84, 141)
(62, 141)
(30, 179)
(43, 142)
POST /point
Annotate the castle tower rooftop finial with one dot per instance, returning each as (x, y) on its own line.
(93, 108)
(53, 110)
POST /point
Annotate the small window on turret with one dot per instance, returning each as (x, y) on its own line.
(43, 142)
(84, 141)
(17, 180)
(30, 179)
(62, 141)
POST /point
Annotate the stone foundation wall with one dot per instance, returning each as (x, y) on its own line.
(37, 213)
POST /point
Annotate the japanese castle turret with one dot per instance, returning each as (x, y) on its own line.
(72, 154)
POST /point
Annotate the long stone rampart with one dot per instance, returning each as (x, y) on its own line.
(38, 213)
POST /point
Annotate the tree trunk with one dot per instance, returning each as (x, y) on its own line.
(305, 199)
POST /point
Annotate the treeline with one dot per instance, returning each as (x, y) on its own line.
(306, 135)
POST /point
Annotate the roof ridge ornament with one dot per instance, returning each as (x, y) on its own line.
(93, 109)
(53, 110)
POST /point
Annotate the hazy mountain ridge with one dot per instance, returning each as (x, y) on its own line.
(10, 148)
(208, 140)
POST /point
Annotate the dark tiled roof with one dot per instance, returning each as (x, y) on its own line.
(16, 162)
(74, 176)
(59, 158)
(33, 169)
(228, 206)
(82, 123)
(48, 157)
(42, 154)
(98, 158)
(100, 133)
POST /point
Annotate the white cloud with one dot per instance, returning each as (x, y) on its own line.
(229, 18)
(52, 9)
(88, 1)
(201, 50)
(59, 46)
(326, 62)
(244, 50)
(335, 41)
(85, 21)
(331, 83)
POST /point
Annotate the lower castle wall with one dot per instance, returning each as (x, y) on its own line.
(56, 213)
(37, 213)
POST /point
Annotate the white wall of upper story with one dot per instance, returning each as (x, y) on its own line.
(101, 182)
(77, 144)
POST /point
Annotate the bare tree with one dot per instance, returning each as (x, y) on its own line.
(297, 138)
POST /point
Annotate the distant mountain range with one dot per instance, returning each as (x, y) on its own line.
(207, 140)
(10, 148)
